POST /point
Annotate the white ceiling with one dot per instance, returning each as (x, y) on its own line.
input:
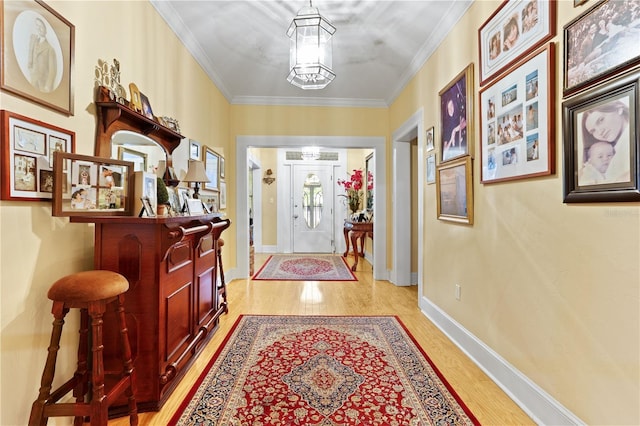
(378, 46)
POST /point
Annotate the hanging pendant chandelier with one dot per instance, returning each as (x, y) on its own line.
(310, 52)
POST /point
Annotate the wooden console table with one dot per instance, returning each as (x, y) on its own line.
(175, 298)
(358, 231)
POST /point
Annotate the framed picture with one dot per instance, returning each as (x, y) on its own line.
(456, 116)
(194, 150)
(431, 168)
(211, 167)
(454, 188)
(223, 195)
(37, 54)
(211, 201)
(601, 159)
(517, 121)
(599, 44)
(174, 201)
(222, 171)
(431, 135)
(514, 29)
(195, 207)
(136, 103)
(139, 159)
(577, 3)
(27, 151)
(183, 196)
(146, 106)
(148, 208)
(84, 185)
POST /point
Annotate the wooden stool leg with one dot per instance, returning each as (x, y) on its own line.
(37, 409)
(129, 369)
(99, 408)
(222, 282)
(82, 375)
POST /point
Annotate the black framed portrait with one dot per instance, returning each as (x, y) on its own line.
(601, 160)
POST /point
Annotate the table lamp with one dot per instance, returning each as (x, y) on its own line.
(195, 174)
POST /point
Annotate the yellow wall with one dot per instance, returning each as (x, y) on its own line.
(269, 160)
(35, 248)
(551, 287)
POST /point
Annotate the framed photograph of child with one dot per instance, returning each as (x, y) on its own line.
(85, 185)
(456, 116)
(601, 160)
(37, 54)
(511, 32)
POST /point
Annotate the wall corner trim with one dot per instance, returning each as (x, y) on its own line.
(538, 404)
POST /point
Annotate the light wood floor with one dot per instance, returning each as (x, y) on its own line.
(365, 297)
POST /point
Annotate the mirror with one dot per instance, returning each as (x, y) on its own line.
(123, 132)
(144, 152)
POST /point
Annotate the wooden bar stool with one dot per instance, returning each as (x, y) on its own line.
(222, 288)
(91, 292)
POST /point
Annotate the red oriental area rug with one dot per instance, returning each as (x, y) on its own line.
(319, 370)
(295, 267)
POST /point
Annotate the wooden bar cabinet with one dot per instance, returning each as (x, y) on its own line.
(176, 295)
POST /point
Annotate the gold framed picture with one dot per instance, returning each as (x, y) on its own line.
(454, 188)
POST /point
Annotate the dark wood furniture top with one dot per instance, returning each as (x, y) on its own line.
(114, 116)
(358, 231)
(175, 299)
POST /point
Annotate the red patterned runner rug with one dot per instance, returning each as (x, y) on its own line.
(321, 370)
(295, 267)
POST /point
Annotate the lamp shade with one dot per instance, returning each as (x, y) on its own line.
(195, 172)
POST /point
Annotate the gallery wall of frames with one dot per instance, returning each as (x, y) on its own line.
(86, 185)
(517, 103)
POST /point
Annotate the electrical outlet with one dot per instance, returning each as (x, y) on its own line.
(458, 289)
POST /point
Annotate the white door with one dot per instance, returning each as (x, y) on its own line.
(312, 209)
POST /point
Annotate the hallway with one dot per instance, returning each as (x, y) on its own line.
(364, 297)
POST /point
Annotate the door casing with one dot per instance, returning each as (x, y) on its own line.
(377, 143)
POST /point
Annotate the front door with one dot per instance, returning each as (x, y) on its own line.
(312, 209)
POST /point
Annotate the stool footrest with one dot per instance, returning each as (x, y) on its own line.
(64, 389)
(117, 389)
(67, 409)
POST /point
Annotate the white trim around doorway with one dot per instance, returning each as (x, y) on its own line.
(377, 143)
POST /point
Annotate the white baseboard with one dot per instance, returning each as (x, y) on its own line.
(267, 249)
(533, 400)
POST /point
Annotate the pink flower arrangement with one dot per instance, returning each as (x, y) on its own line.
(353, 189)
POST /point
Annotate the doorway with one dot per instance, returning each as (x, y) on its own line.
(313, 230)
(410, 130)
(377, 143)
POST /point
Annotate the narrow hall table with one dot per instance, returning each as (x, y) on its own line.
(358, 231)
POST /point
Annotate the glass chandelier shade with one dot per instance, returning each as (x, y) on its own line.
(310, 52)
